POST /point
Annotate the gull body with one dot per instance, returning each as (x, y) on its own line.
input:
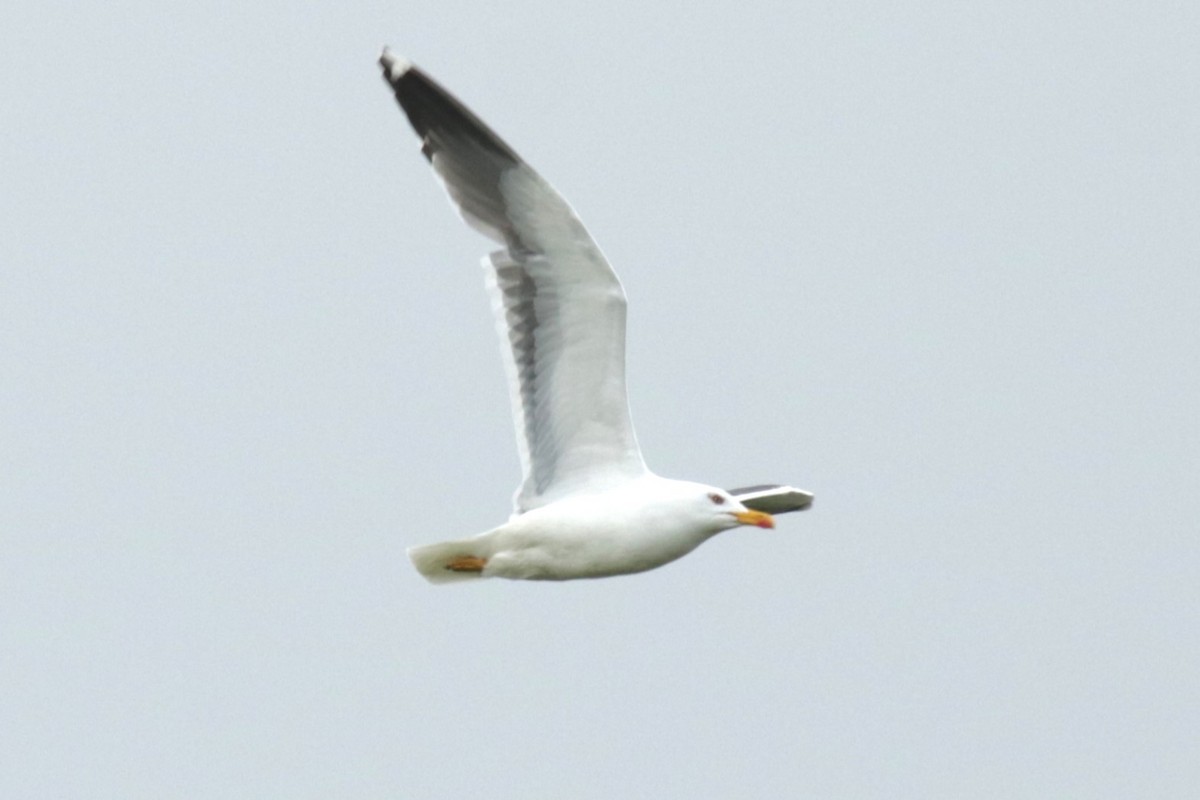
(587, 506)
(632, 527)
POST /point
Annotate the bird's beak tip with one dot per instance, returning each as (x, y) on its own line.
(759, 519)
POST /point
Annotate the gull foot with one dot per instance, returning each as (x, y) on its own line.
(467, 564)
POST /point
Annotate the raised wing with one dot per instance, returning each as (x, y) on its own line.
(560, 309)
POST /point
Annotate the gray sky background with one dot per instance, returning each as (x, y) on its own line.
(938, 263)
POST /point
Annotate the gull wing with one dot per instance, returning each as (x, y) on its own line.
(773, 498)
(560, 309)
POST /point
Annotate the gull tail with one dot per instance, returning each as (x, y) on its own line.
(451, 562)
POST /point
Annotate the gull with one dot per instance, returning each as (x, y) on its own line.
(587, 506)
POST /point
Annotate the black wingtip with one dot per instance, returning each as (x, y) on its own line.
(437, 116)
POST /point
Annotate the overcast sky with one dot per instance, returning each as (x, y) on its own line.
(938, 263)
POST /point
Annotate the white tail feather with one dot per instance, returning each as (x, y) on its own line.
(431, 559)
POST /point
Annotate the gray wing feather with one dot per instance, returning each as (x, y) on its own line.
(560, 308)
(773, 498)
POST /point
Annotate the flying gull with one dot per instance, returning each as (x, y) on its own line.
(588, 507)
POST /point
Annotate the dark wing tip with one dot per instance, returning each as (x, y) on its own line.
(437, 116)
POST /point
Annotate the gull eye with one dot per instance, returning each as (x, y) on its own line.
(716, 498)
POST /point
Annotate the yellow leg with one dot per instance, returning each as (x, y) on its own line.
(467, 564)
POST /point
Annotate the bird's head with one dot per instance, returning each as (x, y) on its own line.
(707, 507)
(729, 513)
(690, 509)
